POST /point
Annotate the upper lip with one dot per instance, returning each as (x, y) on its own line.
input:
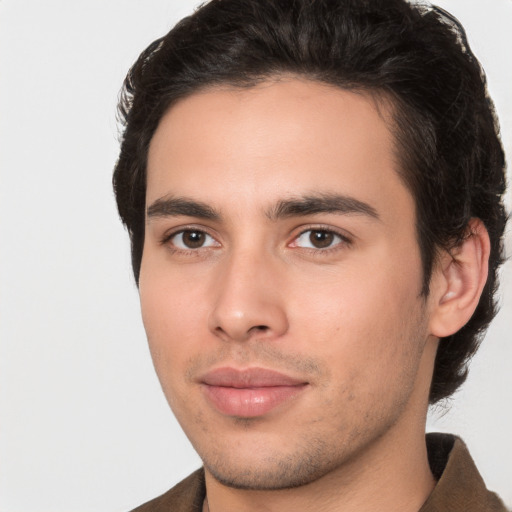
(248, 378)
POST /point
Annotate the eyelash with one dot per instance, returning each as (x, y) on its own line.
(166, 239)
(345, 241)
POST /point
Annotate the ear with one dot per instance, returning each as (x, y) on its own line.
(458, 280)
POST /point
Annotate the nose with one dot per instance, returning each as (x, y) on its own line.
(248, 300)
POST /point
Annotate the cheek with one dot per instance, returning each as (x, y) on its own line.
(366, 325)
(172, 316)
(170, 300)
(171, 321)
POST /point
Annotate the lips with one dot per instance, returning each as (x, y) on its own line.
(249, 393)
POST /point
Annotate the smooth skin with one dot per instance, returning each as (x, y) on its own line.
(233, 276)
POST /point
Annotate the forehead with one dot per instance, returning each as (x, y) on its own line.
(283, 138)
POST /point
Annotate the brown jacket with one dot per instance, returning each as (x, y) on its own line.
(459, 488)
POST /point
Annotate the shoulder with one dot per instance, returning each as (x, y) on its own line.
(187, 496)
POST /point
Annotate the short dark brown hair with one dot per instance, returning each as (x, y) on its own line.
(416, 56)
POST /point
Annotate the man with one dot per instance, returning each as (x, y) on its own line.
(313, 194)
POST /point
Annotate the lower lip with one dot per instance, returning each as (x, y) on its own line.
(250, 402)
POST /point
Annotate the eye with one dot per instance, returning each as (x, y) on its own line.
(318, 239)
(192, 239)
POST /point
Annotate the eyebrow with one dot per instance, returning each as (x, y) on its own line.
(321, 203)
(286, 208)
(176, 206)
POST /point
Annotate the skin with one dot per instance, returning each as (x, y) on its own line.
(348, 319)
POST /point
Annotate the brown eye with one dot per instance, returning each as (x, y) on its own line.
(192, 239)
(321, 239)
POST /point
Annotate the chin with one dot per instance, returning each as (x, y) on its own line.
(269, 478)
(272, 472)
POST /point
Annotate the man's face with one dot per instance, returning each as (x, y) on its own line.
(280, 281)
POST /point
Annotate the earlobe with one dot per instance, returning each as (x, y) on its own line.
(458, 282)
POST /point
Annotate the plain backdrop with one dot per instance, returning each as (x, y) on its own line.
(84, 425)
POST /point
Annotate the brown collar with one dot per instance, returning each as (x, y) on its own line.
(460, 487)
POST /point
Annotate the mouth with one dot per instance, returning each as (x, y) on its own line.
(249, 393)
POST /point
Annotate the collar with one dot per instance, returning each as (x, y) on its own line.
(459, 484)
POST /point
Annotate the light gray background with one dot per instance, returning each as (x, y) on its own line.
(84, 425)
